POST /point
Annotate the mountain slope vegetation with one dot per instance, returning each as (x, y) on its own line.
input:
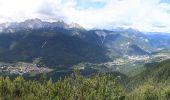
(97, 87)
(158, 73)
(152, 84)
(55, 47)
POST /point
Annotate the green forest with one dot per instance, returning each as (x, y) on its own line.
(101, 86)
(75, 87)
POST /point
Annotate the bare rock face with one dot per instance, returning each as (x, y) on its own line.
(32, 24)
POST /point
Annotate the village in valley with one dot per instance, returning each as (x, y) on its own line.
(22, 68)
(127, 64)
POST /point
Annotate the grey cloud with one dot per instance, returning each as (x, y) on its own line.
(49, 11)
(46, 8)
(159, 26)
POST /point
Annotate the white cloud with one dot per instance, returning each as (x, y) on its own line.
(145, 15)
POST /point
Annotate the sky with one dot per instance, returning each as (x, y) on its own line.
(143, 15)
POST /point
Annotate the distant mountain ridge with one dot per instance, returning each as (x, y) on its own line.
(32, 24)
(61, 44)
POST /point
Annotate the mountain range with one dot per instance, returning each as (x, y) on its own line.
(62, 44)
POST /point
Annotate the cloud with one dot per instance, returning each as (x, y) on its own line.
(144, 15)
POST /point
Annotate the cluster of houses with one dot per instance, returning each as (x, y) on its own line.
(22, 68)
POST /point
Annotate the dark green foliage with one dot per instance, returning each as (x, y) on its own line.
(150, 92)
(153, 75)
(75, 87)
(97, 87)
(152, 84)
